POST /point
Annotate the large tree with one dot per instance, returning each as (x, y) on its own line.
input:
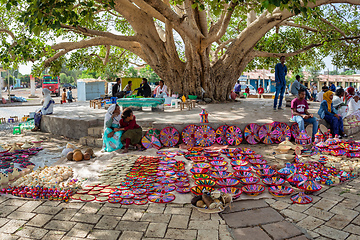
(191, 44)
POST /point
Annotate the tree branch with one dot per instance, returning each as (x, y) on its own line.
(139, 65)
(99, 33)
(333, 26)
(304, 49)
(219, 28)
(149, 10)
(8, 32)
(291, 24)
(97, 41)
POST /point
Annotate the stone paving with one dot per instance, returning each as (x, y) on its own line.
(26, 219)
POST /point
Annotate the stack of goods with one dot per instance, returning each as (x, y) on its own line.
(117, 171)
(15, 161)
(215, 201)
(149, 179)
(51, 183)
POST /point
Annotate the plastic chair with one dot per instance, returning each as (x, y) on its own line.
(113, 100)
(16, 130)
(176, 102)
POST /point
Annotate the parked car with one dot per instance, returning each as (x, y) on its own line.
(67, 85)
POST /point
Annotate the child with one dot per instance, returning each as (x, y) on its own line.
(261, 91)
(63, 96)
(69, 95)
(132, 132)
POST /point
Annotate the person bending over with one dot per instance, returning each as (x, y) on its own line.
(132, 131)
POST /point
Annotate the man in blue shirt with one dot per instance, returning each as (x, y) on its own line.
(332, 87)
(237, 88)
(280, 73)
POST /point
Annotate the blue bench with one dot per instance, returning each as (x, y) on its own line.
(156, 104)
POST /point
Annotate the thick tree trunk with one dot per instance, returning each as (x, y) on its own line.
(196, 74)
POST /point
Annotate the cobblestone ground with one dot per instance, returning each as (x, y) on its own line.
(334, 213)
(24, 219)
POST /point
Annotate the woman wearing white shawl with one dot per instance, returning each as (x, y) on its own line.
(354, 104)
(112, 133)
(46, 109)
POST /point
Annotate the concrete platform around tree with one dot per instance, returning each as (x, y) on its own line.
(73, 120)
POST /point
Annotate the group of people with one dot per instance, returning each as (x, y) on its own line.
(121, 130)
(161, 91)
(299, 105)
(66, 96)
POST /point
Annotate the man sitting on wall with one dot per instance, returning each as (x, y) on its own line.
(116, 89)
(162, 90)
(144, 89)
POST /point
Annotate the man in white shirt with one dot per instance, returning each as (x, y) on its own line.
(320, 95)
(161, 90)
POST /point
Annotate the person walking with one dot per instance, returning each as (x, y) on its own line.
(280, 73)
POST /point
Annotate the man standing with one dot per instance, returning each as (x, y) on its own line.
(144, 89)
(280, 73)
(261, 92)
(116, 89)
(237, 88)
(300, 114)
(69, 95)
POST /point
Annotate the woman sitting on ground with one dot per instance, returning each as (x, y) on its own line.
(112, 132)
(132, 132)
(46, 109)
(328, 112)
(338, 103)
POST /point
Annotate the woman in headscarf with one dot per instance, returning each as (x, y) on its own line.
(328, 112)
(350, 94)
(112, 132)
(132, 131)
(46, 109)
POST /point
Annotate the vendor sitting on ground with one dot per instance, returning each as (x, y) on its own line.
(112, 132)
(132, 132)
(144, 89)
(300, 114)
(46, 109)
(161, 90)
(328, 112)
(354, 103)
(339, 104)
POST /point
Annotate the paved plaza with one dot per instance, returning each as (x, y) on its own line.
(334, 213)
